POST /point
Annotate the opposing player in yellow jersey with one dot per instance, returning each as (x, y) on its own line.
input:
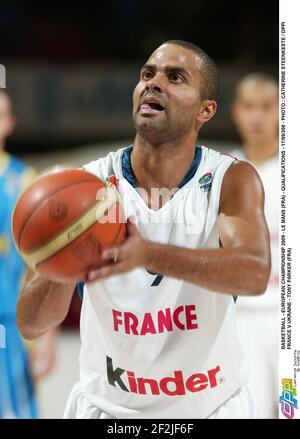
(18, 366)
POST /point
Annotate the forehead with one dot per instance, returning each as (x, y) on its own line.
(171, 54)
(258, 91)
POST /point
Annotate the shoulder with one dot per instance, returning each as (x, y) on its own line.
(238, 153)
(22, 172)
(241, 179)
(240, 169)
(28, 176)
(216, 160)
(104, 166)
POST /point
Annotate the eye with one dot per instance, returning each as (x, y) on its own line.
(147, 74)
(175, 77)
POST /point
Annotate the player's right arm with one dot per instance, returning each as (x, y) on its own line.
(42, 304)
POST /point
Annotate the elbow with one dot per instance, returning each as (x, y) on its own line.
(26, 331)
(26, 328)
(260, 278)
(27, 334)
(260, 288)
(254, 281)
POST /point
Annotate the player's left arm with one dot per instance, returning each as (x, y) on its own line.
(241, 267)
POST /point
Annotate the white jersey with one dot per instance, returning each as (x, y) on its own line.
(269, 174)
(155, 346)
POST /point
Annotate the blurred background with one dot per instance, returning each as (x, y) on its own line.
(71, 68)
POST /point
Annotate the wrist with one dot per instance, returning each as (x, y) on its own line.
(149, 255)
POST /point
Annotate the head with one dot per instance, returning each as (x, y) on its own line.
(255, 108)
(176, 94)
(7, 120)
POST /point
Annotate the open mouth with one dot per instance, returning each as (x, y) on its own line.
(151, 107)
(155, 106)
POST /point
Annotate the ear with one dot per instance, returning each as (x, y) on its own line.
(207, 110)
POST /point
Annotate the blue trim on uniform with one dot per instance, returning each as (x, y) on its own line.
(79, 289)
(126, 166)
(129, 175)
(193, 168)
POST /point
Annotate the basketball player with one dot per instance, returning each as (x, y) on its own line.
(255, 114)
(16, 387)
(158, 324)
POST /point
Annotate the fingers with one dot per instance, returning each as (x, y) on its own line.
(131, 227)
(112, 257)
(113, 254)
(107, 270)
(116, 259)
(131, 219)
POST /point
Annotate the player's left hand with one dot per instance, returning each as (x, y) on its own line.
(131, 254)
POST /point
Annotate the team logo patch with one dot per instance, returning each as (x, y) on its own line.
(112, 179)
(205, 182)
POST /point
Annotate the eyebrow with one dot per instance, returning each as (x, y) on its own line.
(168, 68)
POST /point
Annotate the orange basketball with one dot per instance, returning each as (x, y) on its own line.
(63, 222)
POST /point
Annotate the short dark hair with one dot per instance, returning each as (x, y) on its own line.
(209, 70)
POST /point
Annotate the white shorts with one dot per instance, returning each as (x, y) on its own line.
(239, 406)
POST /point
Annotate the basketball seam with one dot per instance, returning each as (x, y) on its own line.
(114, 240)
(70, 243)
(50, 195)
(28, 256)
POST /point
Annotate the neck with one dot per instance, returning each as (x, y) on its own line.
(161, 165)
(260, 152)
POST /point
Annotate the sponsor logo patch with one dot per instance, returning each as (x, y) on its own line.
(205, 182)
(176, 384)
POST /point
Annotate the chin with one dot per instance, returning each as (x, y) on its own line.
(149, 125)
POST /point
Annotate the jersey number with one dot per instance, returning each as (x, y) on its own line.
(157, 279)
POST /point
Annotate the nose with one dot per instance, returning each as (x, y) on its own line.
(155, 87)
(154, 84)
